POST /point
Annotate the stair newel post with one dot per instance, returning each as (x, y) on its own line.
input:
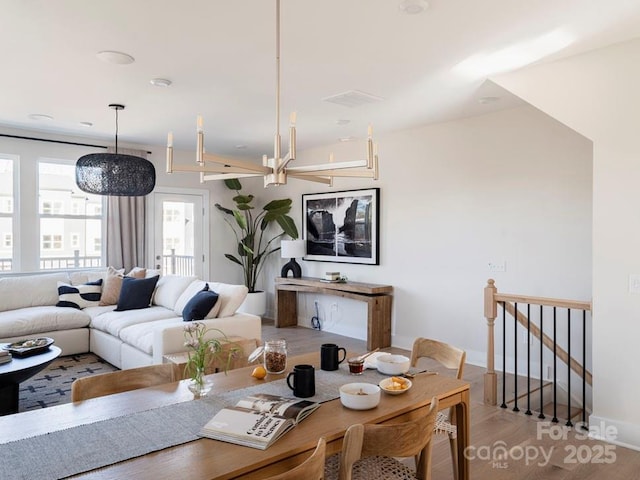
(490, 313)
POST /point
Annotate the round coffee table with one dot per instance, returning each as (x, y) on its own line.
(18, 370)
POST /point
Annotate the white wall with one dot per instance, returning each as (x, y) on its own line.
(597, 94)
(513, 185)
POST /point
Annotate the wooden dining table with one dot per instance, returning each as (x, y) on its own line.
(211, 459)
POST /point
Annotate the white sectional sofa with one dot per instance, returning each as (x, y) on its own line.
(126, 339)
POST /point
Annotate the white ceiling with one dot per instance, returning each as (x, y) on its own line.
(220, 56)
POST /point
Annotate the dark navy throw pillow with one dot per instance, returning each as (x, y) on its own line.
(136, 293)
(198, 307)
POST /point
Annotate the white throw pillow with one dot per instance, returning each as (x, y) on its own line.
(230, 297)
(169, 289)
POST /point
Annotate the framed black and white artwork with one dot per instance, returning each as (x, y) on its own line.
(342, 226)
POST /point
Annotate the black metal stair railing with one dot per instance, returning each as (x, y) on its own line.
(553, 349)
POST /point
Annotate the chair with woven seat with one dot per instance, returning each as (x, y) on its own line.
(452, 358)
(368, 451)
(311, 469)
(123, 381)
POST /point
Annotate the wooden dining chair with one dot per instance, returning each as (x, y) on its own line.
(123, 381)
(452, 358)
(368, 451)
(311, 469)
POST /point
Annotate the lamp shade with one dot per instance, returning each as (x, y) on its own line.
(292, 248)
(115, 174)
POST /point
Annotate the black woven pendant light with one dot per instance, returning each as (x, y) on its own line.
(115, 173)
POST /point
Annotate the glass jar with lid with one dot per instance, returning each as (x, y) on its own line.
(275, 356)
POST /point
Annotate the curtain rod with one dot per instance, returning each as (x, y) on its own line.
(20, 137)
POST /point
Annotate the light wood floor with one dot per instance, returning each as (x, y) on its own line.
(494, 431)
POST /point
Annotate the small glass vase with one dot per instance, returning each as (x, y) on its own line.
(199, 384)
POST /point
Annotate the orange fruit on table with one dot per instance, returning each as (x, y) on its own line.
(259, 372)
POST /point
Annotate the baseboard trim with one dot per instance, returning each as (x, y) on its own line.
(625, 434)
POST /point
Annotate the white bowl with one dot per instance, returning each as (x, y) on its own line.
(393, 364)
(395, 385)
(360, 396)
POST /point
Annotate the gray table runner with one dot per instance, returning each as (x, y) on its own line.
(83, 448)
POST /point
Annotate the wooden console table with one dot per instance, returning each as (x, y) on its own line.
(377, 297)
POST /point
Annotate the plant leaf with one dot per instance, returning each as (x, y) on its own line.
(240, 220)
(223, 209)
(233, 259)
(243, 198)
(288, 226)
(278, 204)
(233, 184)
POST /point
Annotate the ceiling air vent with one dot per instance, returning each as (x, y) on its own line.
(353, 98)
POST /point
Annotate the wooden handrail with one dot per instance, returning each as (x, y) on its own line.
(491, 300)
(547, 302)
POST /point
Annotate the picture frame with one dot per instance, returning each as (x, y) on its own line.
(342, 227)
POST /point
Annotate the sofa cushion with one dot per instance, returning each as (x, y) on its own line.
(200, 305)
(231, 297)
(170, 287)
(113, 322)
(30, 290)
(189, 293)
(34, 320)
(136, 293)
(79, 296)
(78, 277)
(141, 335)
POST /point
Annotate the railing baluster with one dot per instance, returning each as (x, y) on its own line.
(555, 371)
(569, 423)
(504, 355)
(528, 412)
(541, 415)
(515, 358)
(584, 369)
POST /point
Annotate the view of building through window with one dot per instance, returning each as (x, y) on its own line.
(6, 213)
(70, 220)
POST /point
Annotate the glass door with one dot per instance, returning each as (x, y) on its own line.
(178, 234)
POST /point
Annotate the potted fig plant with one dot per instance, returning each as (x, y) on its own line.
(255, 239)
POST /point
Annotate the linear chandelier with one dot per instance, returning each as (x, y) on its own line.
(277, 169)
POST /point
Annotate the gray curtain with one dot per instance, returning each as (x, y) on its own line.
(126, 227)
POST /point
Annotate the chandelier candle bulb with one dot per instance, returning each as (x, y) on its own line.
(169, 159)
(199, 127)
(292, 118)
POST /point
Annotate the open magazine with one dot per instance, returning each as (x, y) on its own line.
(258, 420)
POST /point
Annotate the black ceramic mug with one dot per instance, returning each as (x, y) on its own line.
(304, 383)
(330, 356)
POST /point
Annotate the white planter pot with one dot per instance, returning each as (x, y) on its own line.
(255, 303)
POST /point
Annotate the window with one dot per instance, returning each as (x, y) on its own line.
(172, 214)
(52, 242)
(6, 205)
(7, 213)
(70, 220)
(48, 207)
(171, 243)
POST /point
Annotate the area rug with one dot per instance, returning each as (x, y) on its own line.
(52, 386)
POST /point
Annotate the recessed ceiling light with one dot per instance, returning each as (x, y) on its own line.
(160, 82)
(413, 7)
(86, 124)
(118, 58)
(485, 100)
(347, 139)
(40, 116)
(343, 121)
(241, 147)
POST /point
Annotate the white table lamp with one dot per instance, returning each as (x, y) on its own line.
(292, 249)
